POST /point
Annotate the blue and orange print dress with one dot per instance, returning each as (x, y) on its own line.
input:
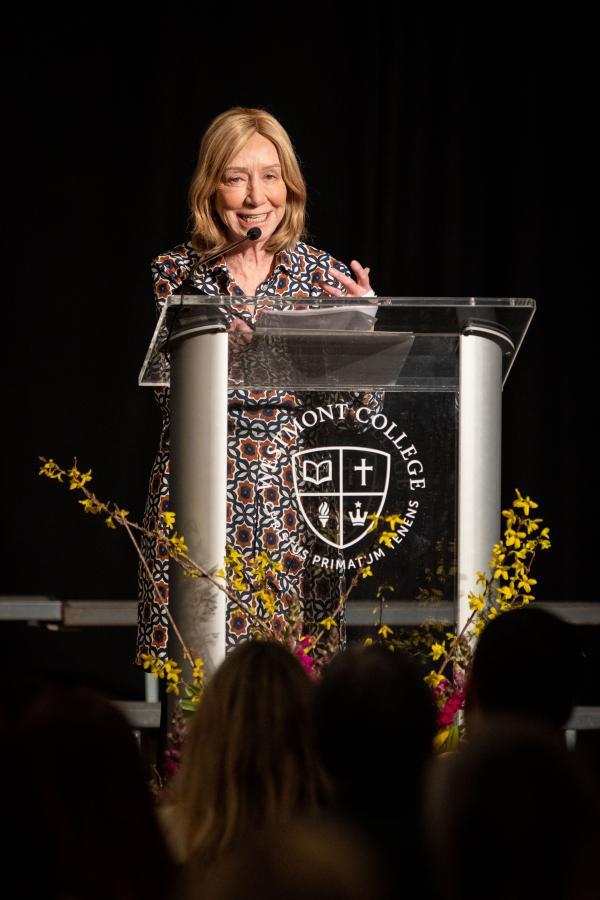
(254, 417)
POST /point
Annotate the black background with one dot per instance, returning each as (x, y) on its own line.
(453, 157)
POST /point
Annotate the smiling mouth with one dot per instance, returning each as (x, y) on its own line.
(253, 218)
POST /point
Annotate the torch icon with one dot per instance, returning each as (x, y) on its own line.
(324, 513)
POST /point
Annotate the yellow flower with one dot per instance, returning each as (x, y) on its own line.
(78, 479)
(163, 668)
(366, 572)
(394, 520)
(368, 642)
(513, 538)
(524, 503)
(438, 650)
(328, 623)
(169, 518)
(434, 679)
(198, 669)
(476, 602)
(532, 525)
(262, 562)
(172, 673)
(386, 537)
(262, 566)
(511, 517)
(51, 470)
(92, 505)
(526, 582)
(544, 538)
(178, 544)
(234, 555)
(109, 522)
(385, 631)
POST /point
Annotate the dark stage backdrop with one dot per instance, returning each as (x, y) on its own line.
(453, 159)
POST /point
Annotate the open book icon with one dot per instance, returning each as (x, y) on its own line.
(321, 470)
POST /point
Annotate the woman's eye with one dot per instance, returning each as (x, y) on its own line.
(233, 179)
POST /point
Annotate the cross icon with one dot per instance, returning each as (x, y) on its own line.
(363, 469)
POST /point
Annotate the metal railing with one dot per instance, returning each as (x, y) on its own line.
(144, 715)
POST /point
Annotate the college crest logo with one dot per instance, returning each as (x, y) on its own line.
(338, 488)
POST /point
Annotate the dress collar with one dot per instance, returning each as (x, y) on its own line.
(285, 261)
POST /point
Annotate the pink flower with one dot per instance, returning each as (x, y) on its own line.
(450, 708)
(302, 653)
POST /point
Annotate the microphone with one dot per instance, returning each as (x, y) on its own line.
(184, 288)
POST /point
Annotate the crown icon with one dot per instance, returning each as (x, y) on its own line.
(357, 517)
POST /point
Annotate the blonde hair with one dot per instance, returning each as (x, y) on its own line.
(250, 758)
(223, 139)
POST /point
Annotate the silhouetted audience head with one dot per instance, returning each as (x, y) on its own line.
(306, 860)
(373, 708)
(376, 722)
(526, 663)
(249, 760)
(513, 816)
(89, 808)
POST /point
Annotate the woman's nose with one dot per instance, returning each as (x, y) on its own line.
(256, 192)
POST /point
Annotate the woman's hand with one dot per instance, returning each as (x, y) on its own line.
(240, 332)
(359, 288)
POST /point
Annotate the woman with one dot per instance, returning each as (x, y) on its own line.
(249, 761)
(247, 176)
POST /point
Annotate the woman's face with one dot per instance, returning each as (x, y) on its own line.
(252, 192)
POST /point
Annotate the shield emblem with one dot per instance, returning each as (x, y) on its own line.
(338, 488)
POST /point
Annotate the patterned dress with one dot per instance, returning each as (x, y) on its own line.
(254, 418)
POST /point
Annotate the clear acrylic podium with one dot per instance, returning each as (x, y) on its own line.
(400, 413)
